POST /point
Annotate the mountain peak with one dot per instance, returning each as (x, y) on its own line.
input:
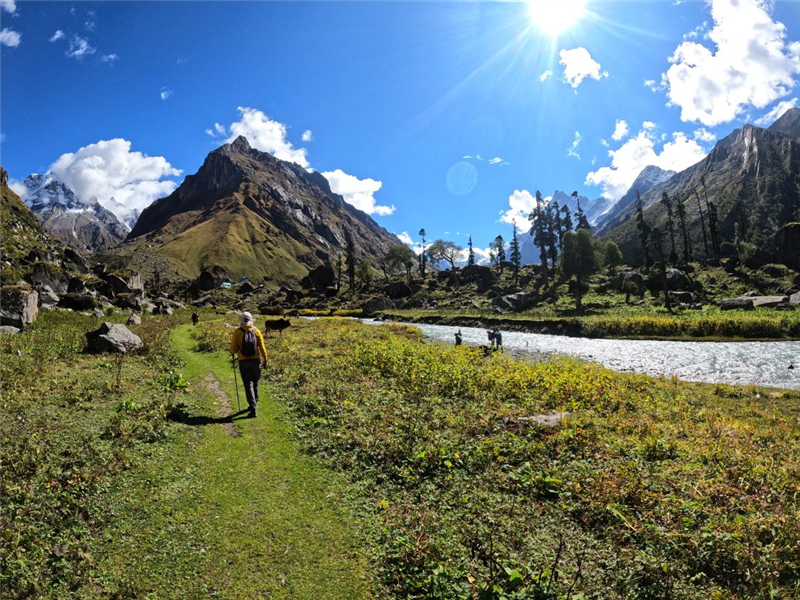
(240, 145)
(788, 123)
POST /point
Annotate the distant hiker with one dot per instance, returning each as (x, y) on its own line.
(195, 318)
(458, 338)
(498, 339)
(248, 345)
(490, 335)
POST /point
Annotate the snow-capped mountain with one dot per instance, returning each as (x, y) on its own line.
(649, 178)
(593, 208)
(84, 226)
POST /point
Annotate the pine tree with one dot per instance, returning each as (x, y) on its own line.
(516, 257)
(702, 221)
(553, 231)
(580, 216)
(422, 254)
(566, 221)
(644, 229)
(471, 256)
(578, 259)
(499, 251)
(667, 202)
(350, 263)
(339, 273)
(687, 245)
(557, 225)
(712, 219)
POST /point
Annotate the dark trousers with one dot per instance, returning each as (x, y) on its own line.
(251, 373)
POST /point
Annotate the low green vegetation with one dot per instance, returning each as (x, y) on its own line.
(649, 488)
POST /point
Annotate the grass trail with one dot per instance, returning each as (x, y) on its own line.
(243, 515)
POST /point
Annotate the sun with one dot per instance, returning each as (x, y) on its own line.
(555, 16)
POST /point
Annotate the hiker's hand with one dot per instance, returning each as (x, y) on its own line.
(264, 365)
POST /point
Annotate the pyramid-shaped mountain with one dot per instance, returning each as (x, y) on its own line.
(752, 177)
(255, 216)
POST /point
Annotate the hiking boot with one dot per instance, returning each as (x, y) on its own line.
(252, 413)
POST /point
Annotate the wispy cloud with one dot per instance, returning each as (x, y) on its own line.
(165, 93)
(56, 36)
(545, 76)
(109, 58)
(573, 149)
(307, 136)
(780, 108)
(79, 47)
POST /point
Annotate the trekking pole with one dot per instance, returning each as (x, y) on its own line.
(235, 382)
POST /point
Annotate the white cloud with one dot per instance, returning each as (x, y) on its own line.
(639, 152)
(267, 135)
(10, 38)
(649, 125)
(218, 131)
(652, 84)
(165, 93)
(620, 130)
(545, 76)
(357, 192)
(8, 6)
(495, 161)
(79, 47)
(520, 203)
(19, 188)
(307, 136)
(776, 112)
(90, 25)
(573, 149)
(56, 36)
(121, 180)
(405, 238)
(109, 58)
(604, 143)
(752, 64)
(704, 135)
(578, 65)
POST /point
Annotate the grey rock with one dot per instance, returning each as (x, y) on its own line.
(398, 289)
(9, 329)
(676, 279)
(47, 295)
(112, 337)
(517, 301)
(769, 301)
(795, 299)
(134, 320)
(378, 304)
(546, 421)
(736, 304)
(681, 296)
(19, 307)
(98, 314)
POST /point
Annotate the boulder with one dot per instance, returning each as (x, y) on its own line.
(293, 296)
(378, 304)
(204, 301)
(77, 302)
(330, 292)
(9, 329)
(163, 310)
(320, 278)
(517, 301)
(112, 337)
(270, 309)
(681, 296)
(768, 301)
(47, 295)
(736, 304)
(773, 270)
(676, 279)
(211, 279)
(19, 306)
(117, 285)
(794, 299)
(245, 288)
(98, 314)
(731, 264)
(134, 320)
(76, 286)
(398, 289)
(630, 277)
(51, 275)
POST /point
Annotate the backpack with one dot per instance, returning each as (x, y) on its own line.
(248, 345)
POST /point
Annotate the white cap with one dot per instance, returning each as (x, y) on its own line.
(246, 319)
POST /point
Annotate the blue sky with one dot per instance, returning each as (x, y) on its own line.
(388, 98)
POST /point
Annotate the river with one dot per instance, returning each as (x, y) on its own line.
(760, 363)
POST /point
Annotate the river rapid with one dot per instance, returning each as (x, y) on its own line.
(760, 363)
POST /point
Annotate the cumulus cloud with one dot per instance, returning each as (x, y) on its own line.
(545, 76)
(10, 38)
(405, 238)
(79, 47)
(649, 125)
(704, 135)
(639, 152)
(56, 36)
(578, 65)
(8, 6)
(357, 192)
(620, 130)
(751, 65)
(268, 136)
(573, 149)
(121, 180)
(520, 204)
(307, 136)
(776, 112)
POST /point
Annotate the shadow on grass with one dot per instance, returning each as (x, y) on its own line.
(179, 414)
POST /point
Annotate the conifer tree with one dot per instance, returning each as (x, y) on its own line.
(712, 219)
(552, 233)
(702, 221)
(350, 263)
(516, 257)
(580, 216)
(557, 225)
(667, 202)
(644, 229)
(422, 254)
(578, 259)
(471, 255)
(566, 221)
(499, 251)
(687, 245)
(339, 273)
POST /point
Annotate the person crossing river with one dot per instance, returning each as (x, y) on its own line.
(247, 345)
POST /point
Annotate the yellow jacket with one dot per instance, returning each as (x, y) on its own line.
(236, 342)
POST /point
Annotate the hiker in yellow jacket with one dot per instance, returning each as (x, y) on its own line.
(248, 345)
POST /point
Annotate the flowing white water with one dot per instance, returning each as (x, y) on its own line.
(761, 363)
